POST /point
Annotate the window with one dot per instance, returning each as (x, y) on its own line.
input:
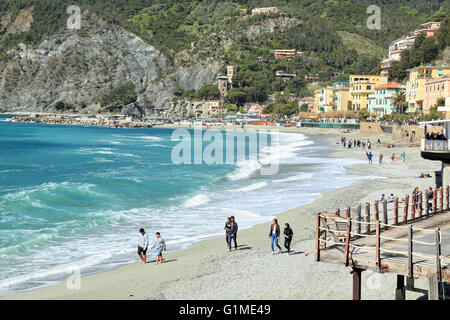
(368, 87)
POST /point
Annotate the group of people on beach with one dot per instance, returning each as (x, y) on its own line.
(274, 235)
(353, 143)
(143, 245)
(231, 229)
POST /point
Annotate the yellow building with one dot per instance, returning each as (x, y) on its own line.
(415, 86)
(323, 100)
(360, 86)
(340, 96)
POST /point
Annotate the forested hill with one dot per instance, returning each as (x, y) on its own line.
(191, 41)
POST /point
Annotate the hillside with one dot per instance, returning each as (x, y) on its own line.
(171, 49)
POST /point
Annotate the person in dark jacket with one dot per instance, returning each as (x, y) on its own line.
(233, 233)
(227, 231)
(274, 234)
(288, 233)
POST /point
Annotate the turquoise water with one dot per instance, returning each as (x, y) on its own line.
(73, 196)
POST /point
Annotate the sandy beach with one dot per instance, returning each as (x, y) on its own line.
(206, 270)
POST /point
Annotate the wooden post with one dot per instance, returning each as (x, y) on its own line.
(433, 287)
(400, 291)
(410, 251)
(413, 206)
(446, 197)
(367, 217)
(438, 255)
(396, 211)
(318, 237)
(427, 209)
(434, 200)
(420, 204)
(358, 217)
(378, 246)
(356, 284)
(405, 208)
(376, 210)
(385, 212)
(410, 283)
(347, 240)
(441, 200)
(338, 212)
(347, 212)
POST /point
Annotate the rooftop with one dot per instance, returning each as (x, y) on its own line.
(391, 85)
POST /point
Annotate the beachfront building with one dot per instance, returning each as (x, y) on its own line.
(435, 89)
(312, 78)
(198, 109)
(323, 99)
(266, 10)
(340, 96)
(415, 86)
(381, 101)
(285, 53)
(254, 109)
(360, 86)
(308, 101)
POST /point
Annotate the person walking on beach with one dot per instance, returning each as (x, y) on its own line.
(233, 233)
(160, 245)
(381, 158)
(143, 246)
(274, 234)
(227, 231)
(288, 233)
(370, 156)
(403, 156)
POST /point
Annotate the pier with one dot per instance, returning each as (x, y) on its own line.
(407, 237)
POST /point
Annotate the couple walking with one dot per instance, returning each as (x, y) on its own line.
(143, 243)
(274, 234)
(231, 229)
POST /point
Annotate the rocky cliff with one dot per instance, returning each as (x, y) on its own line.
(78, 66)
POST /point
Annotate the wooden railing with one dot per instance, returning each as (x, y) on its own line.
(337, 230)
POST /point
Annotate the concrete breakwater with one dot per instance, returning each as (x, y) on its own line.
(98, 120)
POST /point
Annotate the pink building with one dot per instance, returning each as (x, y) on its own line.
(428, 28)
(254, 108)
(435, 89)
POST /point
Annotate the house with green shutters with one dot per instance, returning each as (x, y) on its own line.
(381, 101)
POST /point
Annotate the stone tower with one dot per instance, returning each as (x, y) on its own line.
(222, 84)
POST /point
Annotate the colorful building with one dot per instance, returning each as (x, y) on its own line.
(340, 96)
(435, 89)
(396, 47)
(415, 86)
(360, 86)
(323, 100)
(381, 101)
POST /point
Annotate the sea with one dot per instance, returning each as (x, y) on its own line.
(72, 198)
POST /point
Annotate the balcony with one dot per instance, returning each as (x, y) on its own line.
(437, 150)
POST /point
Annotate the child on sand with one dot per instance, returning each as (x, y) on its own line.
(160, 245)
